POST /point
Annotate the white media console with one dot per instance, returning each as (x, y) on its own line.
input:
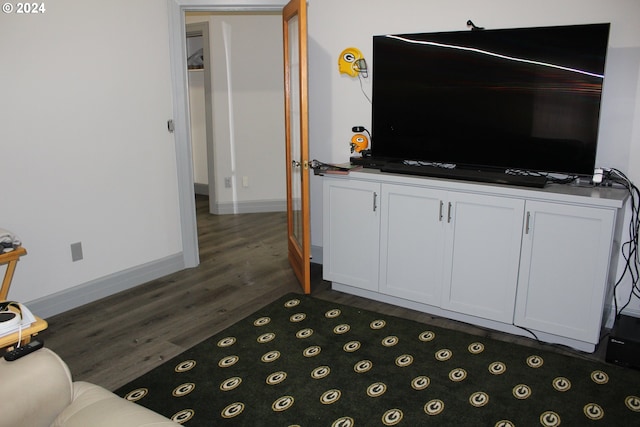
(508, 258)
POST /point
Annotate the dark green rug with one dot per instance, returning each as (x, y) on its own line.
(302, 361)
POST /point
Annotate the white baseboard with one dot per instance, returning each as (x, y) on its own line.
(202, 189)
(631, 312)
(255, 206)
(251, 206)
(316, 254)
(105, 286)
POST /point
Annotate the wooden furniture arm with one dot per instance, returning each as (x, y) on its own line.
(10, 258)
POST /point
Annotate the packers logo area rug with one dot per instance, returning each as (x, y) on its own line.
(306, 362)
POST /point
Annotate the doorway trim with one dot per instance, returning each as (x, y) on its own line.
(177, 51)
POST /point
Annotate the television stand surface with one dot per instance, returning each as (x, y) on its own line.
(466, 174)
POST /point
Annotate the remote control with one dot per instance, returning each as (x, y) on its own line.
(18, 352)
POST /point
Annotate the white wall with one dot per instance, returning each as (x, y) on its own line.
(198, 126)
(86, 155)
(248, 109)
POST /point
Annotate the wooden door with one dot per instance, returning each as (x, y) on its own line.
(294, 21)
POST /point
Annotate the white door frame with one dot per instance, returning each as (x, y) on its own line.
(182, 133)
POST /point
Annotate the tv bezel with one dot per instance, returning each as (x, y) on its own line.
(514, 162)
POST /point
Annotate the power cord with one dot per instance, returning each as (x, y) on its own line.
(629, 249)
(559, 346)
(362, 89)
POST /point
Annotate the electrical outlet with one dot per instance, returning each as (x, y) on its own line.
(76, 251)
(245, 181)
(227, 182)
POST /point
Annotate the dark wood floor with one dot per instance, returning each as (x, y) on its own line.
(243, 267)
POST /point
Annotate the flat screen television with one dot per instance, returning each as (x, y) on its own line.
(525, 99)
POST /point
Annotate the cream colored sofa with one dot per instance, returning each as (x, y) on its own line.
(37, 391)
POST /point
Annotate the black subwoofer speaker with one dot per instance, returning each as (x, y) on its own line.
(623, 346)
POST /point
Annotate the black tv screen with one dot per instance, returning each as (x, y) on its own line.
(524, 98)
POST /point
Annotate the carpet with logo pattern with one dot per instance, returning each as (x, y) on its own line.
(303, 361)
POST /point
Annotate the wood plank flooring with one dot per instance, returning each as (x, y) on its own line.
(243, 267)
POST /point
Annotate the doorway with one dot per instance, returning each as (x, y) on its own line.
(176, 12)
(243, 168)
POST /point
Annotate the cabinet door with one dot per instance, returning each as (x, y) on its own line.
(482, 255)
(564, 268)
(351, 230)
(412, 237)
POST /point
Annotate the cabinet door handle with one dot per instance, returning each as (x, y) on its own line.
(527, 223)
(441, 208)
(375, 201)
(449, 213)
